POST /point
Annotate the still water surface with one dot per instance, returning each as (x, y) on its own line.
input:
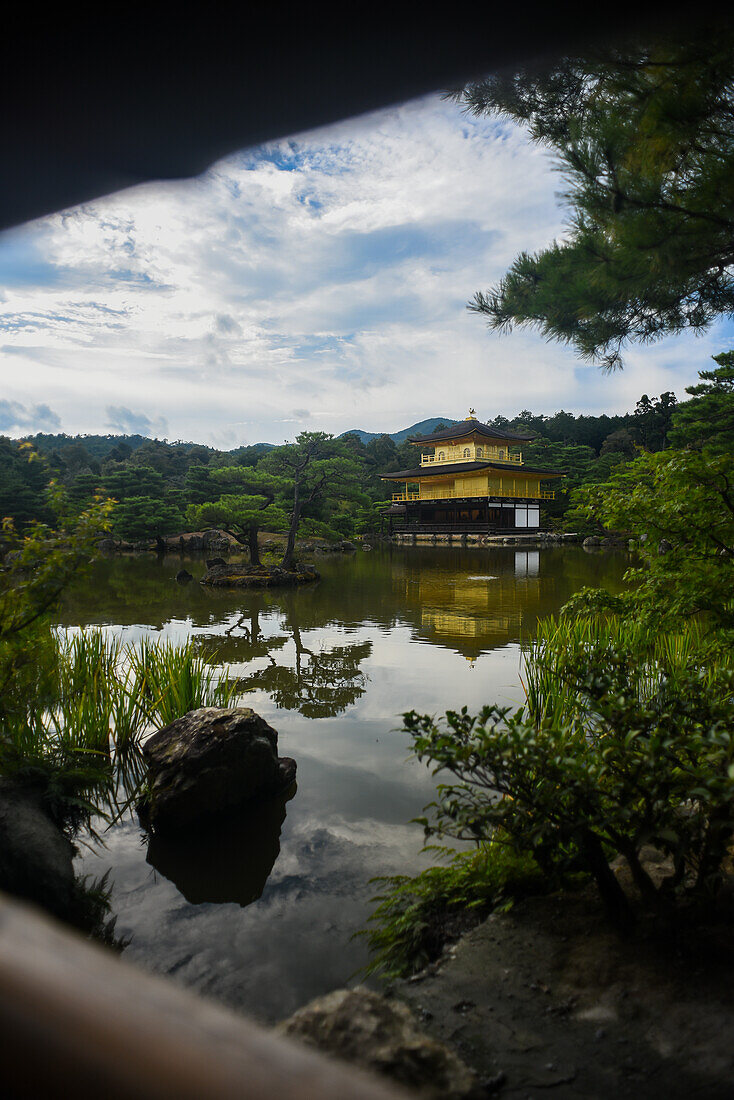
(261, 914)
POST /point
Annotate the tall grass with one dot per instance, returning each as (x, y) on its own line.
(88, 704)
(82, 714)
(109, 695)
(550, 662)
(170, 680)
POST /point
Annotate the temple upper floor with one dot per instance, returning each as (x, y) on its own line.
(471, 451)
(470, 441)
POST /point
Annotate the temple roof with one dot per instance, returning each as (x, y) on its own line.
(469, 427)
(466, 467)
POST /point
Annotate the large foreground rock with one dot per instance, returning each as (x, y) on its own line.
(35, 856)
(209, 760)
(381, 1035)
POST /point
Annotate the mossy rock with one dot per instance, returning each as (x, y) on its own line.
(207, 761)
(249, 576)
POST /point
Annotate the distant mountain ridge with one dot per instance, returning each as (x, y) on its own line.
(423, 427)
(99, 446)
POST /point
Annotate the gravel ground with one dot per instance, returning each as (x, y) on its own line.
(548, 1000)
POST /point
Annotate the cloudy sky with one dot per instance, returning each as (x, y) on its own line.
(317, 283)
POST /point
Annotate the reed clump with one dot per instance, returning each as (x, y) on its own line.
(561, 646)
(87, 703)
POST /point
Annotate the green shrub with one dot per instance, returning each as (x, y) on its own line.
(417, 915)
(679, 508)
(620, 746)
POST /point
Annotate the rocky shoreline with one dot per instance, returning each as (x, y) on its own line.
(532, 540)
(548, 999)
(216, 541)
(213, 540)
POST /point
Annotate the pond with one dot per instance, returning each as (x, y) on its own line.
(261, 915)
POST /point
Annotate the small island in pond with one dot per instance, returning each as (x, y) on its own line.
(244, 575)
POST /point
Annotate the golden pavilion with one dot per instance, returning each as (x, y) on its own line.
(471, 479)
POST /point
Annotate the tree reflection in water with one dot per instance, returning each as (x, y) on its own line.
(252, 643)
(321, 683)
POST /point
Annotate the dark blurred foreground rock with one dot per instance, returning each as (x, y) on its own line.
(209, 760)
(381, 1035)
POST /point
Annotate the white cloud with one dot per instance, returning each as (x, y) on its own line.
(17, 418)
(320, 282)
(126, 422)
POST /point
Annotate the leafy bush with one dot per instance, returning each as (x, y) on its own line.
(679, 506)
(633, 746)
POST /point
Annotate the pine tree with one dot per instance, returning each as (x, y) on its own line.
(323, 475)
(707, 421)
(644, 137)
(246, 504)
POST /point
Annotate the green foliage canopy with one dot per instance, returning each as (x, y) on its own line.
(24, 478)
(706, 422)
(643, 135)
(323, 477)
(246, 504)
(679, 505)
(144, 517)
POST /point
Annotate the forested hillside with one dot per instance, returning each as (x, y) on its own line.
(163, 488)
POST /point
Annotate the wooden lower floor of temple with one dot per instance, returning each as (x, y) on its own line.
(479, 515)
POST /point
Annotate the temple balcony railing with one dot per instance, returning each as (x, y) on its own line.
(481, 455)
(452, 494)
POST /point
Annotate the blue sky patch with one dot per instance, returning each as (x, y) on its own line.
(22, 262)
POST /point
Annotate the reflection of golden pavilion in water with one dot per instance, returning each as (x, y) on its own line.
(471, 480)
(476, 612)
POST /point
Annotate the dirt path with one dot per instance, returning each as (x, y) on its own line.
(547, 1000)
